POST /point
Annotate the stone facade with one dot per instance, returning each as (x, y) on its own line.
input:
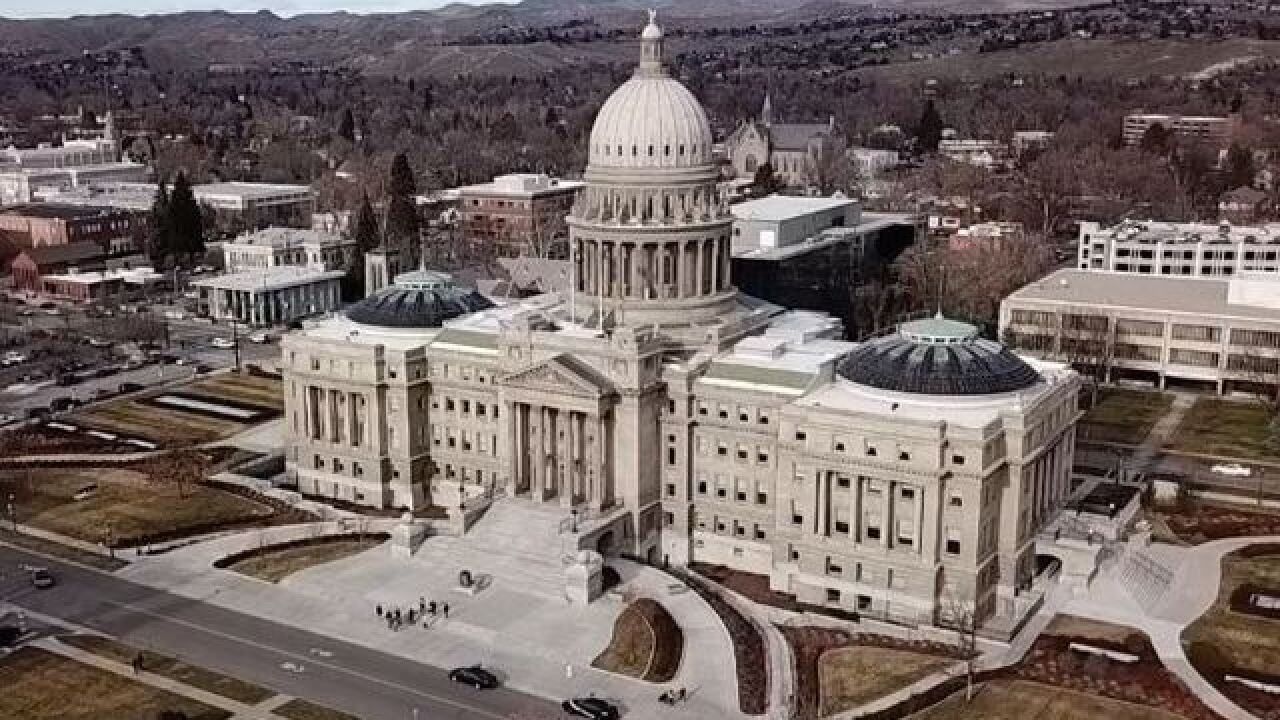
(699, 423)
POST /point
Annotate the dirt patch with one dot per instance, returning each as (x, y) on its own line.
(274, 563)
(647, 643)
(197, 677)
(1011, 699)
(1197, 521)
(38, 684)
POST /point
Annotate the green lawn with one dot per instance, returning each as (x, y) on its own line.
(1230, 428)
(1122, 415)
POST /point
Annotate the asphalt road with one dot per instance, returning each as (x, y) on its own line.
(367, 683)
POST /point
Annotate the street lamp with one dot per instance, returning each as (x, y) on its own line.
(13, 512)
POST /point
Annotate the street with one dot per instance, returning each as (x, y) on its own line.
(367, 683)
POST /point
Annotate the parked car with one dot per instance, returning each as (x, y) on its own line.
(85, 492)
(202, 368)
(1232, 469)
(222, 343)
(26, 312)
(13, 357)
(260, 338)
(98, 342)
(175, 315)
(475, 676)
(593, 708)
(46, 305)
(53, 311)
(60, 404)
(128, 387)
(42, 579)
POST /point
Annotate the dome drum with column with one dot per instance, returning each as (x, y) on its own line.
(651, 232)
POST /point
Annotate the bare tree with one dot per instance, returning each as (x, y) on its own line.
(1087, 341)
(179, 468)
(959, 615)
(830, 169)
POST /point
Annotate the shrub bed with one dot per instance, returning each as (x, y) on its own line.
(647, 643)
(748, 647)
(756, 588)
(232, 559)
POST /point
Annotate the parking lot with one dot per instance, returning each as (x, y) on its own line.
(53, 355)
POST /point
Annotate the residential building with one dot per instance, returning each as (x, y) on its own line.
(1217, 333)
(279, 246)
(1244, 205)
(991, 234)
(34, 263)
(1216, 132)
(682, 421)
(1025, 141)
(980, 153)
(518, 214)
(1167, 248)
(871, 163)
(275, 296)
(39, 224)
(791, 149)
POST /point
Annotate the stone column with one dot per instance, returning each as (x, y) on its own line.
(697, 264)
(682, 275)
(919, 529)
(715, 266)
(886, 523)
(535, 451)
(564, 458)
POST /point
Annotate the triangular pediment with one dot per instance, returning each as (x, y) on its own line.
(561, 374)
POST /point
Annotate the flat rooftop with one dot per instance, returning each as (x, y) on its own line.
(59, 211)
(1152, 232)
(278, 237)
(1201, 297)
(522, 185)
(269, 279)
(248, 190)
(869, 223)
(777, 208)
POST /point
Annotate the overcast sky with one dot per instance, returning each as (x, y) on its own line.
(63, 8)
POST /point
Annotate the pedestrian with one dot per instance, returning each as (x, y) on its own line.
(422, 605)
(137, 663)
(445, 608)
(431, 608)
(682, 695)
(411, 616)
(379, 609)
(397, 615)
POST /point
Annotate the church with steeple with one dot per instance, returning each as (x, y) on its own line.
(789, 148)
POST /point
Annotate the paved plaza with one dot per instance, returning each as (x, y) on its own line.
(521, 624)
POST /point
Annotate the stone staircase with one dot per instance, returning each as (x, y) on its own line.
(516, 542)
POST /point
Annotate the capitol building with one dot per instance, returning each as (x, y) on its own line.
(683, 421)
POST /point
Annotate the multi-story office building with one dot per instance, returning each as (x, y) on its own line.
(237, 206)
(1179, 249)
(1211, 131)
(685, 421)
(518, 214)
(1216, 333)
(117, 232)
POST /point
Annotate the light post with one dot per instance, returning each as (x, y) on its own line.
(573, 514)
(13, 512)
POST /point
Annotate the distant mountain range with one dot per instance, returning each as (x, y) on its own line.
(412, 42)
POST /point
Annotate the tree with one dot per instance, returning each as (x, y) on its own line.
(180, 468)
(1087, 341)
(364, 228)
(959, 615)
(1156, 139)
(1239, 169)
(830, 170)
(347, 126)
(160, 232)
(765, 182)
(402, 212)
(185, 219)
(929, 129)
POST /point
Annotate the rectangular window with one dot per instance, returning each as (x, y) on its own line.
(953, 547)
(873, 533)
(833, 595)
(842, 527)
(761, 498)
(842, 481)
(671, 489)
(800, 435)
(760, 534)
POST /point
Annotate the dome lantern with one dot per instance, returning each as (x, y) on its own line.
(651, 47)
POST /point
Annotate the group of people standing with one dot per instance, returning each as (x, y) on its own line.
(426, 611)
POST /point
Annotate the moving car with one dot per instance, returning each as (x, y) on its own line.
(42, 579)
(475, 676)
(175, 315)
(222, 343)
(1232, 469)
(260, 338)
(593, 708)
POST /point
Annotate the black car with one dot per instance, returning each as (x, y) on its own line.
(592, 708)
(475, 676)
(42, 579)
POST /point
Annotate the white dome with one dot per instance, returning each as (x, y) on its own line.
(651, 121)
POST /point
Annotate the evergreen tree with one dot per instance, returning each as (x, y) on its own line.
(364, 227)
(347, 126)
(185, 219)
(402, 212)
(765, 181)
(1156, 139)
(1239, 167)
(160, 232)
(929, 131)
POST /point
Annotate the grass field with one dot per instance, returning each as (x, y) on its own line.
(1021, 699)
(172, 427)
(276, 565)
(125, 504)
(304, 710)
(1247, 641)
(39, 685)
(1123, 415)
(174, 669)
(852, 676)
(1238, 429)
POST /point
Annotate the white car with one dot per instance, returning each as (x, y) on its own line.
(14, 357)
(222, 343)
(1232, 469)
(175, 315)
(260, 338)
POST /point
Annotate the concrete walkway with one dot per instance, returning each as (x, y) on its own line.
(238, 710)
(1163, 430)
(537, 643)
